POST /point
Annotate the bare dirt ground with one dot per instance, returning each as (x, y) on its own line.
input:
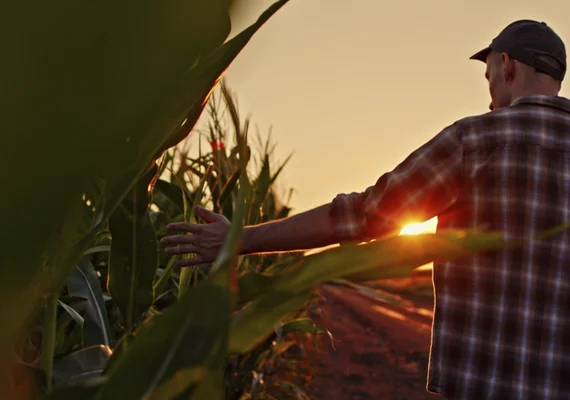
(380, 350)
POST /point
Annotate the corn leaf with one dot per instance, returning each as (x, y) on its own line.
(83, 392)
(84, 283)
(171, 192)
(87, 85)
(134, 254)
(177, 384)
(102, 79)
(88, 72)
(190, 217)
(262, 186)
(186, 335)
(395, 256)
(84, 366)
(74, 314)
(251, 284)
(162, 281)
(227, 190)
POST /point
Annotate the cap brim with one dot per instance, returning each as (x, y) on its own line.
(481, 55)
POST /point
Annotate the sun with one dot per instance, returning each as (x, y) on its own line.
(428, 226)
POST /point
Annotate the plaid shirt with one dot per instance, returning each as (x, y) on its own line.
(501, 327)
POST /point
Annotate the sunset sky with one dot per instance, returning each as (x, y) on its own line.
(352, 87)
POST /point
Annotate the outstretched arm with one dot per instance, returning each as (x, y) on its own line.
(307, 230)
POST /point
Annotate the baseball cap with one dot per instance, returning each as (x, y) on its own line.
(525, 41)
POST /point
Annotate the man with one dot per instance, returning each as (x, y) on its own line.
(501, 326)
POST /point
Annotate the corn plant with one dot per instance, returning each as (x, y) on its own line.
(94, 93)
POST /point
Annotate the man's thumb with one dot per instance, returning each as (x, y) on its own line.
(206, 215)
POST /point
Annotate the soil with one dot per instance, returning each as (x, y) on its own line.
(380, 350)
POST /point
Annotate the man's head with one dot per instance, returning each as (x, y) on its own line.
(527, 57)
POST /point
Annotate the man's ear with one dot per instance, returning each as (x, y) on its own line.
(508, 67)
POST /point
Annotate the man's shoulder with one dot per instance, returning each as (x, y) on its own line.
(538, 119)
(487, 119)
(525, 107)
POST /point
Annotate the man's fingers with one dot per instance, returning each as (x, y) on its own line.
(181, 249)
(178, 239)
(189, 262)
(184, 227)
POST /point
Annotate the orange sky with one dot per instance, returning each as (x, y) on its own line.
(352, 87)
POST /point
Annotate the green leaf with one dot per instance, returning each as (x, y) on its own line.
(74, 314)
(376, 294)
(84, 366)
(262, 186)
(395, 256)
(119, 349)
(211, 387)
(252, 324)
(184, 336)
(96, 249)
(172, 192)
(208, 71)
(228, 188)
(251, 284)
(68, 335)
(280, 169)
(84, 283)
(160, 284)
(92, 80)
(102, 79)
(190, 217)
(176, 384)
(134, 254)
(83, 392)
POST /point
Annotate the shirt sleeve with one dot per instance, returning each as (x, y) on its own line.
(422, 186)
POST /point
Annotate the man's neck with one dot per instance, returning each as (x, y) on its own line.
(545, 90)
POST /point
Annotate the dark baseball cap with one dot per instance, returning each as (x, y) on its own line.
(525, 41)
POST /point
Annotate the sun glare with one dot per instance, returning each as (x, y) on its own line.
(428, 226)
(422, 227)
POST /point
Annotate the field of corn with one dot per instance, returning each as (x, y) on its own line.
(97, 99)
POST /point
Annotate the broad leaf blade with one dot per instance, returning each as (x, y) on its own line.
(84, 366)
(262, 186)
(395, 256)
(134, 254)
(184, 336)
(84, 283)
(190, 217)
(91, 80)
(208, 72)
(160, 285)
(74, 314)
(83, 392)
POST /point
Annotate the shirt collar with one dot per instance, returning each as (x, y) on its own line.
(561, 103)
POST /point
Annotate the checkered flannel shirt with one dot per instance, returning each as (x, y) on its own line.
(501, 327)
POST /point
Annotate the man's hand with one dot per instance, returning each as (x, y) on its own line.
(205, 240)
